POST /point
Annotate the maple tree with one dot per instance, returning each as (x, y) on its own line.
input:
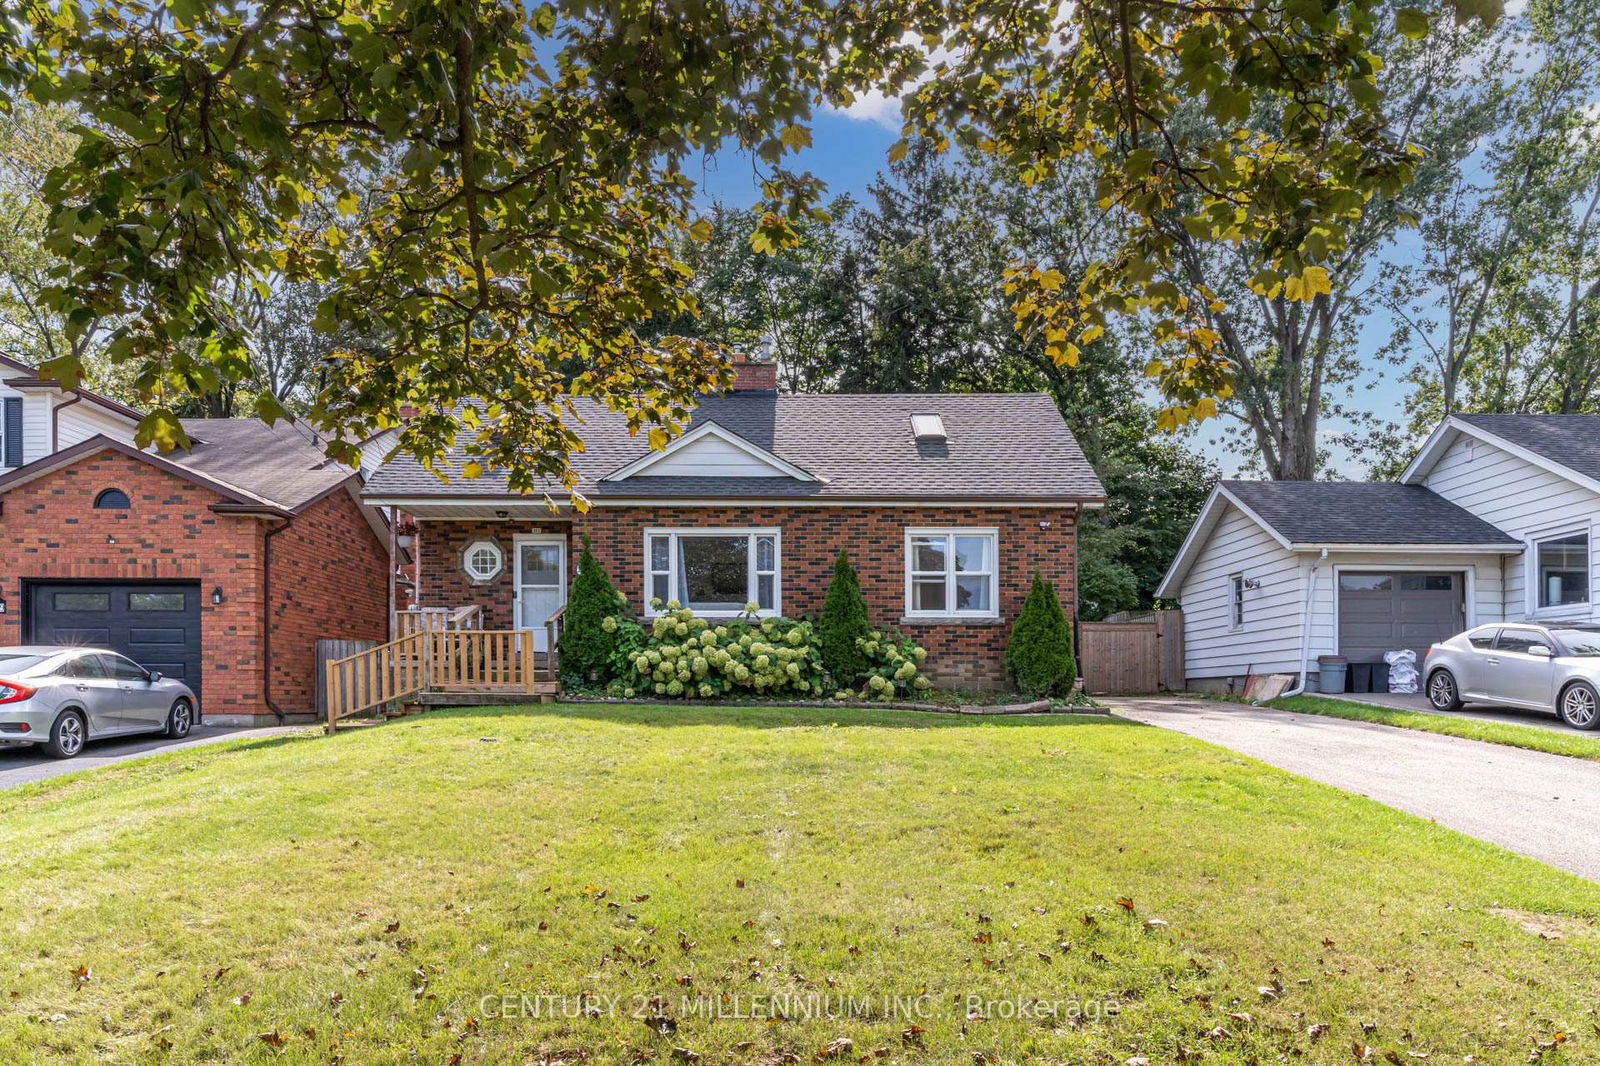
(521, 171)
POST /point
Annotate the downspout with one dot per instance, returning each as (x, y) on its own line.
(266, 620)
(55, 421)
(1305, 626)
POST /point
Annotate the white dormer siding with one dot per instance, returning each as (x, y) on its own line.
(1529, 502)
(708, 450)
(712, 457)
(77, 422)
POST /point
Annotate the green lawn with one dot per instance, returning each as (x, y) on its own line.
(369, 899)
(1574, 743)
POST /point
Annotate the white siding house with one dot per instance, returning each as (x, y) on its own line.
(1497, 519)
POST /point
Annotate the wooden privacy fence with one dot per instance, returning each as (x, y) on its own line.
(439, 660)
(1141, 654)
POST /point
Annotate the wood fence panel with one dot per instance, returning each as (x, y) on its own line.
(1120, 657)
(333, 649)
(1169, 635)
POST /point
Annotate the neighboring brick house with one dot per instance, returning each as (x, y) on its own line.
(222, 564)
(755, 499)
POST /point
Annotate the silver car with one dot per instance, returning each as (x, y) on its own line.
(62, 697)
(1551, 667)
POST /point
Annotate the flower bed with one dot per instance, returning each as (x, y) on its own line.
(683, 656)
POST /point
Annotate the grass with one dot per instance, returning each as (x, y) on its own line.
(1576, 744)
(371, 898)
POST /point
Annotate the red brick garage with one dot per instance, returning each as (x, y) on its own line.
(252, 522)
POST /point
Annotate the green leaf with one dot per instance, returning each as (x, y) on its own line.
(1411, 22)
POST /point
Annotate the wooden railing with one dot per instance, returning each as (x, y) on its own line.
(432, 619)
(442, 661)
(385, 674)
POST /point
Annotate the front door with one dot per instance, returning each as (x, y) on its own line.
(541, 576)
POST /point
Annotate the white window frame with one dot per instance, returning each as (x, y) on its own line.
(1535, 580)
(1236, 590)
(950, 532)
(472, 549)
(752, 574)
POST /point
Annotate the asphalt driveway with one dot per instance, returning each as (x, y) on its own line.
(1483, 712)
(20, 765)
(1544, 806)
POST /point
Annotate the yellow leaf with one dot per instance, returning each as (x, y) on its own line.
(1316, 280)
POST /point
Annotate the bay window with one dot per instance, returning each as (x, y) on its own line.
(1563, 566)
(952, 572)
(714, 571)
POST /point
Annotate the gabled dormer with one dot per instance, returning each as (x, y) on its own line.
(710, 450)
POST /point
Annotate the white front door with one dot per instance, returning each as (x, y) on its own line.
(541, 575)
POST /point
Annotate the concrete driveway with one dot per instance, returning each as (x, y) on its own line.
(1544, 806)
(1482, 711)
(20, 765)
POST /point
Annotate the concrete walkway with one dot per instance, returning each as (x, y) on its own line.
(24, 763)
(1544, 806)
(1484, 712)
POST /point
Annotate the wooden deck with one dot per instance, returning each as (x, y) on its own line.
(435, 666)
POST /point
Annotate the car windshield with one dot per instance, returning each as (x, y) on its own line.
(1585, 641)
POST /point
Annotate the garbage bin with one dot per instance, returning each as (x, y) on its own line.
(1360, 677)
(1331, 673)
(1380, 677)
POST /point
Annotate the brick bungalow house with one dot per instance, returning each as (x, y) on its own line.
(221, 565)
(946, 503)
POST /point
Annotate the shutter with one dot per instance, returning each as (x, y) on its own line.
(13, 430)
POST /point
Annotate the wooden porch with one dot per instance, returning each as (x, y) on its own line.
(441, 657)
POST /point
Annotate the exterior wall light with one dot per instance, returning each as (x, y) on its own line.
(216, 594)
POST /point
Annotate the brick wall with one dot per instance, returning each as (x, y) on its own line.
(963, 654)
(329, 581)
(50, 530)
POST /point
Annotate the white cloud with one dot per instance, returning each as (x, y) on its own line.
(873, 107)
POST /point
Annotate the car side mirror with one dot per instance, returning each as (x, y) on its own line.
(1542, 650)
(153, 676)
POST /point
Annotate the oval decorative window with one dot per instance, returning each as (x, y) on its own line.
(482, 560)
(111, 500)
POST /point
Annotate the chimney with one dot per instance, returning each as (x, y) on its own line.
(755, 372)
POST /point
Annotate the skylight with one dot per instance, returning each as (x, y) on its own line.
(927, 427)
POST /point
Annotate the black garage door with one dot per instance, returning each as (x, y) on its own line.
(1381, 612)
(156, 624)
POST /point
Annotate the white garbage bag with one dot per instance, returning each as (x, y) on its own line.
(1402, 670)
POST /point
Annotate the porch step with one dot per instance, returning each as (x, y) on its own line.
(543, 692)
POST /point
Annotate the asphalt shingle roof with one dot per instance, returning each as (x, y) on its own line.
(1571, 440)
(281, 463)
(1000, 446)
(1362, 512)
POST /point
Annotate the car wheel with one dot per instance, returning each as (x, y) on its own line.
(180, 719)
(66, 736)
(1442, 691)
(1580, 708)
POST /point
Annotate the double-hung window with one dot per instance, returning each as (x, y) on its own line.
(714, 571)
(1563, 570)
(952, 572)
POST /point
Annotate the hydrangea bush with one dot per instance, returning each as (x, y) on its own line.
(678, 655)
(893, 667)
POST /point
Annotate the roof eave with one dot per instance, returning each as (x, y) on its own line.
(1428, 547)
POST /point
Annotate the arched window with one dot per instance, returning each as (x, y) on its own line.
(111, 500)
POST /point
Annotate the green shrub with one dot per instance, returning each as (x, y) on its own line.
(844, 625)
(586, 644)
(1039, 655)
(892, 667)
